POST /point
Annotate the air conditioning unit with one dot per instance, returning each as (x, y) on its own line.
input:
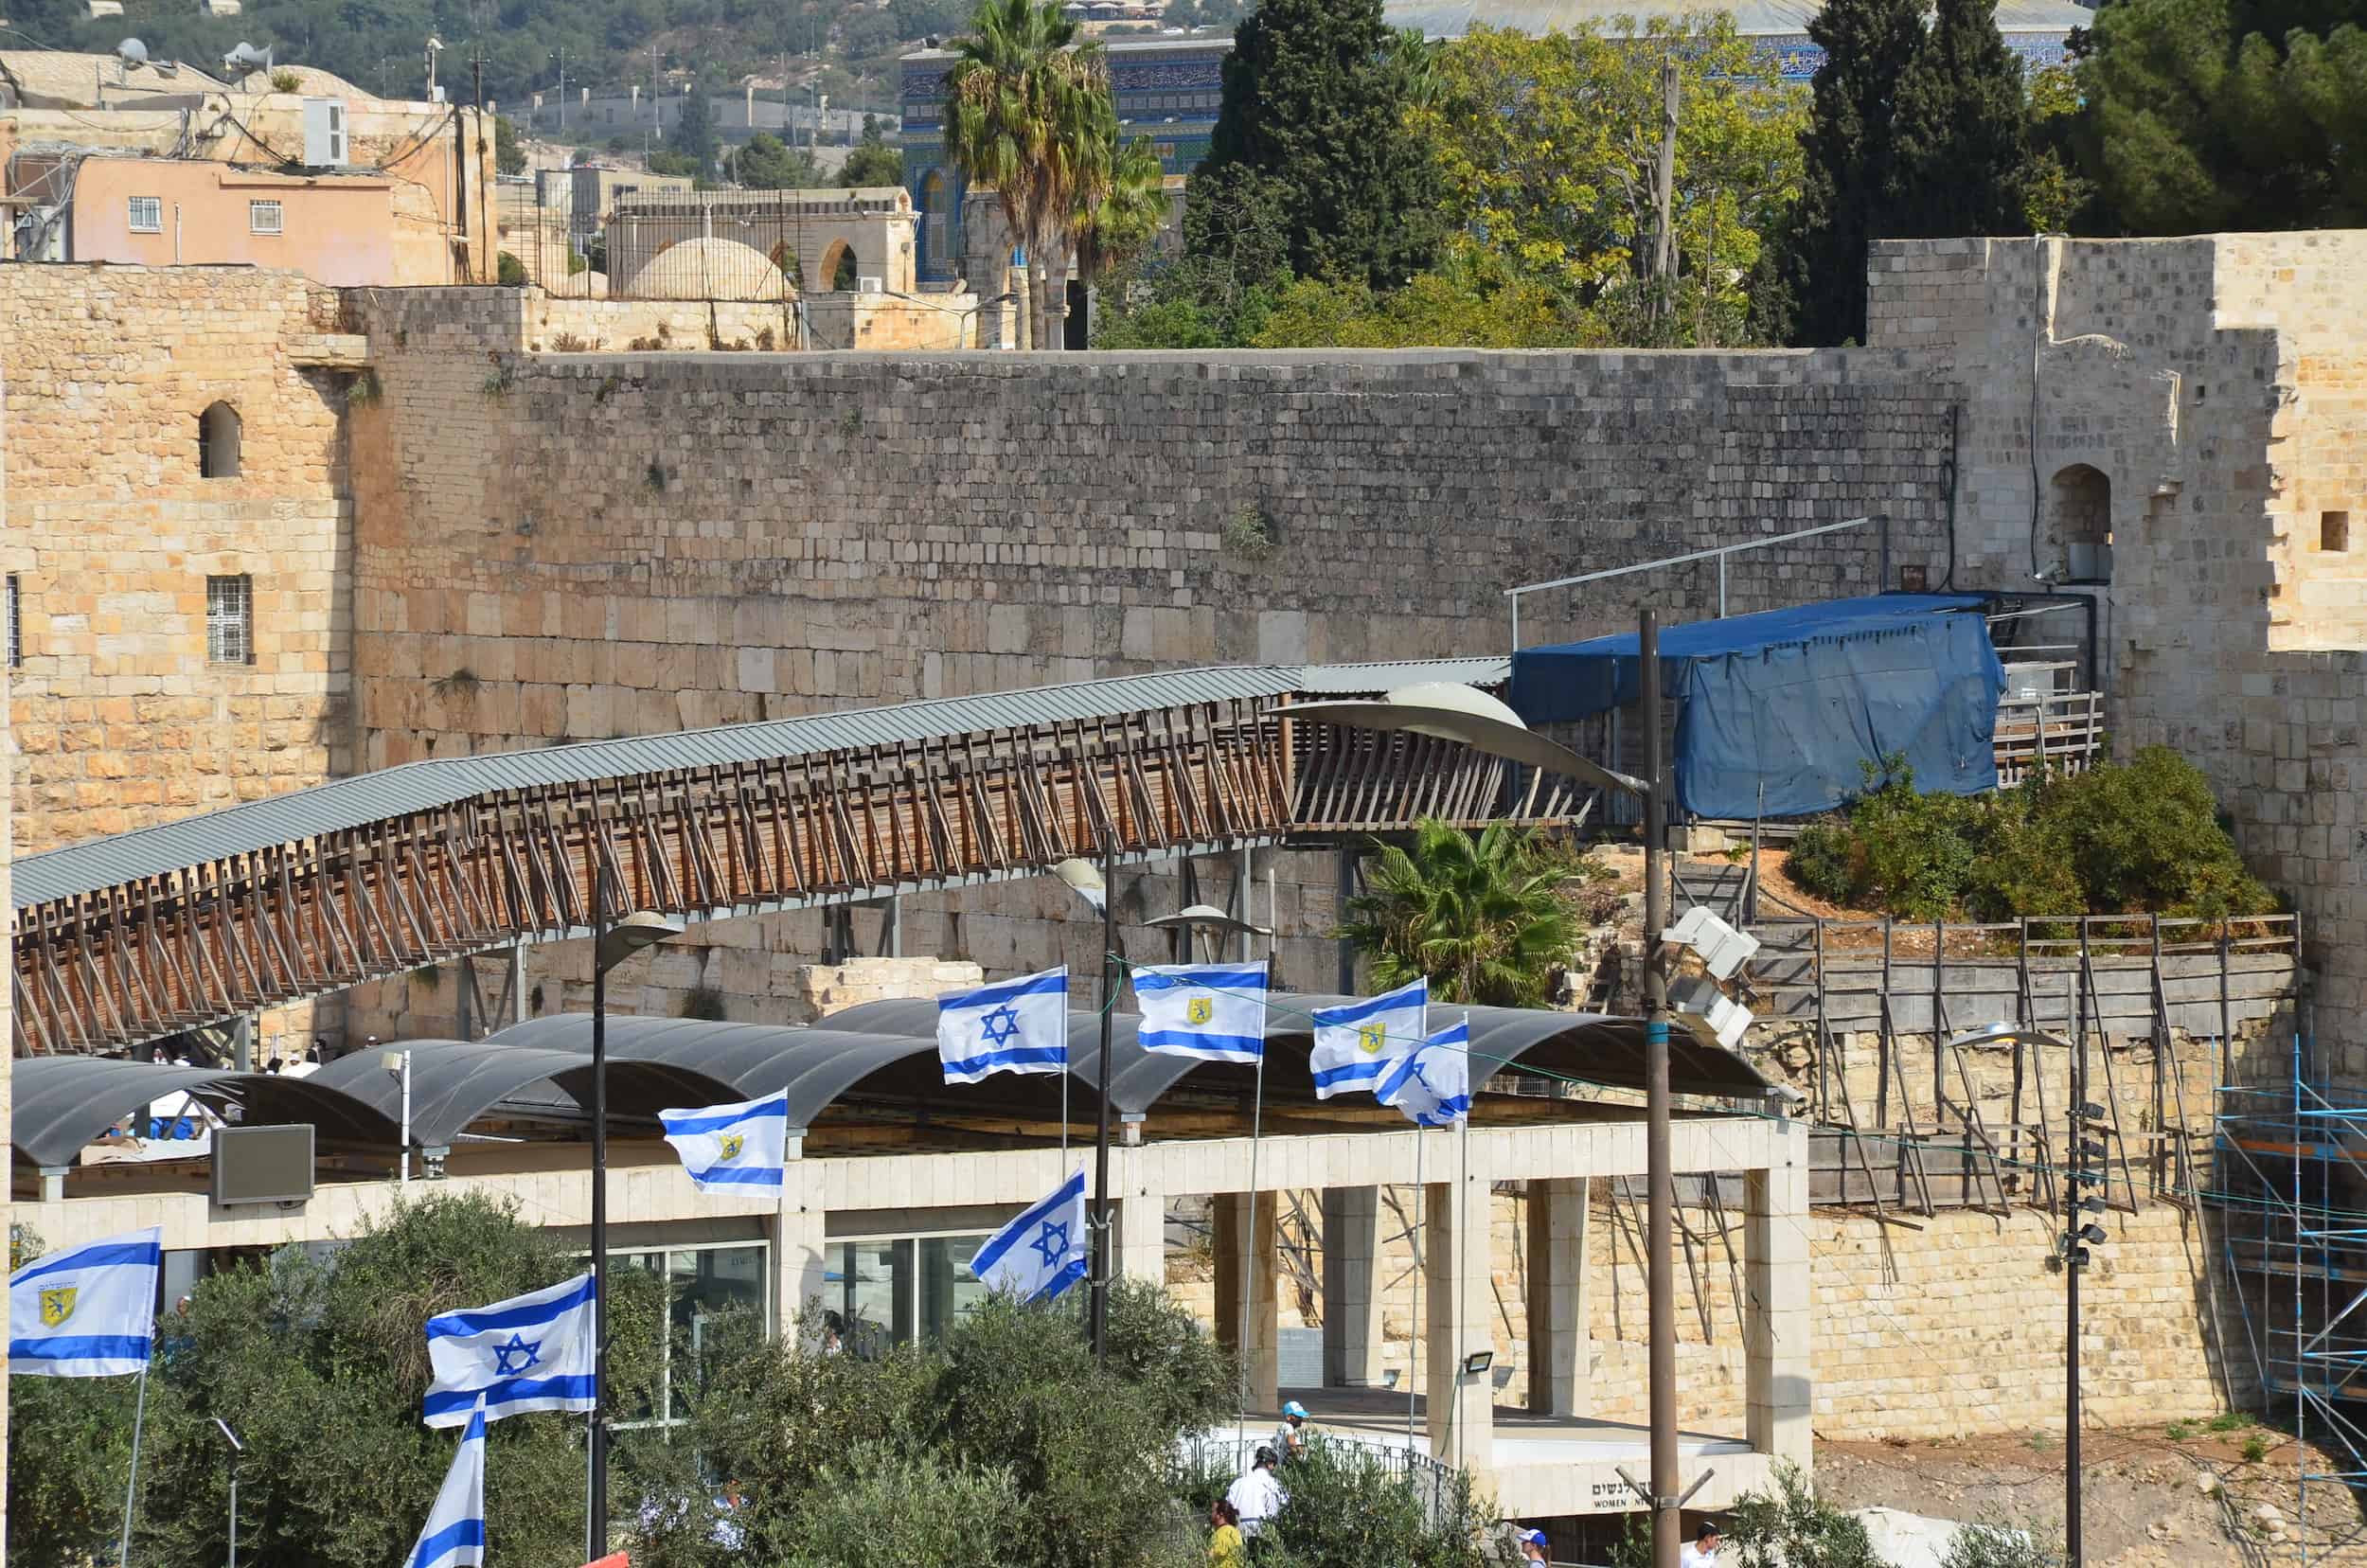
(870, 285)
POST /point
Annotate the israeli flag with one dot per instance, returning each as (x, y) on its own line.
(726, 1147)
(1011, 1026)
(1357, 1045)
(531, 1352)
(1431, 1085)
(1214, 1011)
(454, 1535)
(1041, 1253)
(89, 1311)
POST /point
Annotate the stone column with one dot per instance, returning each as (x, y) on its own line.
(1455, 1293)
(800, 1248)
(1243, 1245)
(1562, 1356)
(1351, 1294)
(1141, 1237)
(1775, 1300)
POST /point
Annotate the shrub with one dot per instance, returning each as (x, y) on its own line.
(1344, 1509)
(1989, 1543)
(2141, 837)
(509, 272)
(1792, 1527)
(887, 1508)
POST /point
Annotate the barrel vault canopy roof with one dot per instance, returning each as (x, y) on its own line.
(63, 1104)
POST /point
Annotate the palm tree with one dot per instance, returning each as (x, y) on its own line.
(1026, 106)
(1113, 230)
(1482, 918)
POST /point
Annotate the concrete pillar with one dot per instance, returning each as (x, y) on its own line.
(1142, 1239)
(1775, 1301)
(1562, 1356)
(1458, 1304)
(242, 1042)
(1242, 1245)
(800, 1247)
(1351, 1290)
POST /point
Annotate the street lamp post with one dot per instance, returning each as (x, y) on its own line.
(1463, 715)
(612, 944)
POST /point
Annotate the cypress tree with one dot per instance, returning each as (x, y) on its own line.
(1314, 105)
(1811, 288)
(1962, 132)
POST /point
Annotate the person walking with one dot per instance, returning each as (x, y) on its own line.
(1532, 1545)
(1226, 1549)
(1290, 1438)
(1702, 1553)
(1256, 1497)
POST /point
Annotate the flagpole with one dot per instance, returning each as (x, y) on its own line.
(131, 1487)
(1112, 976)
(1413, 1339)
(1464, 1242)
(1249, 1240)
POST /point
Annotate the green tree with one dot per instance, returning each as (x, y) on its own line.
(1314, 103)
(1810, 288)
(321, 1367)
(2208, 114)
(889, 1508)
(1120, 225)
(873, 162)
(1474, 298)
(1343, 1508)
(1028, 115)
(1961, 126)
(767, 164)
(1549, 147)
(1482, 918)
(2054, 192)
(509, 157)
(693, 134)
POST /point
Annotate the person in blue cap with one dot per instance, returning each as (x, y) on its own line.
(1532, 1545)
(1290, 1438)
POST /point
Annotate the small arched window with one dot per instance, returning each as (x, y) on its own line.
(218, 442)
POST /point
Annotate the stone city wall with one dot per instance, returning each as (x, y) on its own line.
(1951, 1330)
(2211, 393)
(111, 532)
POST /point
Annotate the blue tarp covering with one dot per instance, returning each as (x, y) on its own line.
(1798, 700)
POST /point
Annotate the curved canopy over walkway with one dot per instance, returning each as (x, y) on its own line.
(126, 939)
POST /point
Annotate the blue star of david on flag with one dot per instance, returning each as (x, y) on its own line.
(529, 1354)
(485, 1359)
(1052, 1243)
(1011, 1026)
(1033, 1257)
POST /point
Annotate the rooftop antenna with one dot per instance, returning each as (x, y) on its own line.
(130, 55)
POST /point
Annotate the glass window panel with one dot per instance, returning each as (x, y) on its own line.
(703, 1286)
(947, 1287)
(866, 1295)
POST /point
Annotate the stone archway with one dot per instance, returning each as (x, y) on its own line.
(840, 268)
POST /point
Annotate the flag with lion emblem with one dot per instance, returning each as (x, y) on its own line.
(732, 1147)
(1214, 1011)
(89, 1311)
(1358, 1042)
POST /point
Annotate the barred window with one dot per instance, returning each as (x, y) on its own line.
(230, 620)
(148, 214)
(16, 623)
(264, 218)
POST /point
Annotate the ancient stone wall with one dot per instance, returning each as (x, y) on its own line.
(825, 531)
(1953, 1329)
(2217, 387)
(111, 532)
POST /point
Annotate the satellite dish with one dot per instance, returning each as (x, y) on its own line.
(245, 60)
(131, 52)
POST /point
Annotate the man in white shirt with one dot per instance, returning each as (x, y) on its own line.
(1257, 1497)
(1703, 1552)
(1290, 1438)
